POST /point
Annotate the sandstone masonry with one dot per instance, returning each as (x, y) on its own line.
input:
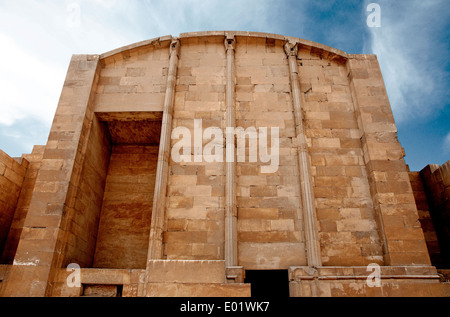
(105, 194)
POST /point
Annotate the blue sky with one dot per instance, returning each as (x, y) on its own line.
(38, 37)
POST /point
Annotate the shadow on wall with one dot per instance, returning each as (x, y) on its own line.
(431, 187)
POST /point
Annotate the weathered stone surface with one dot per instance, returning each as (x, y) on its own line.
(162, 271)
(395, 281)
(127, 199)
(431, 188)
(105, 192)
(12, 180)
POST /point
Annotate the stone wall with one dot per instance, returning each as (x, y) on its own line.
(133, 80)
(110, 197)
(345, 211)
(195, 196)
(34, 162)
(47, 223)
(126, 209)
(269, 221)
(399, 281)
(425, 219)
(12, 174)
(436, 184)
(81, 237)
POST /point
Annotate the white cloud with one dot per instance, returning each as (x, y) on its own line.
(29, 86)
(446, 144)
(42, 35)
(406, 45)
(37, 42)
(38, 38)
(106, 3)
(174, 17)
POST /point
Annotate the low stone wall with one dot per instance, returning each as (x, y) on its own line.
(12, 173)
(166, 278)
(436, 182)
(394, 281)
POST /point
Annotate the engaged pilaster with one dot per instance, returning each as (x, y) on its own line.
(231, 255)
(155, 250)
(309, 210)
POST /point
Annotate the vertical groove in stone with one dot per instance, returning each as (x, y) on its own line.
(306, 189)
(230, 187)
(155, 248)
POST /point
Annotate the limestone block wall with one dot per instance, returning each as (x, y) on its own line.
(52, 205)
(269, 220)
(425, 219)
(436, 183)
(12, 174)
(82, 234)
(133, 80)
(23, 203)
(126, 208)
(398, 281)
(393, 202)
(348, 230)
(195, 193)
(109, 195)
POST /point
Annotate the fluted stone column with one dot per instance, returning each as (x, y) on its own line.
(231, 254)
(306, 189)
(155, 250)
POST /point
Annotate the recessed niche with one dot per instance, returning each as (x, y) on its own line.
(124, 226)
(109, 225)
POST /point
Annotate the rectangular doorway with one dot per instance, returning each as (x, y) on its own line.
(268, 283)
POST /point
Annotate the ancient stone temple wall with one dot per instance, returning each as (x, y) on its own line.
(432, 194)
(177, 164)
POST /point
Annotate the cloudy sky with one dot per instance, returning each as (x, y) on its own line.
(38, 37)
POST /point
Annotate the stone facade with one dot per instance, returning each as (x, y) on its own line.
(105, 192)
(432, 193)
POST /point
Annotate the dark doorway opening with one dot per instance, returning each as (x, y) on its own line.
(268, 283)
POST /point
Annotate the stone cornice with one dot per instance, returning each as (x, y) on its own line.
(315, 48)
